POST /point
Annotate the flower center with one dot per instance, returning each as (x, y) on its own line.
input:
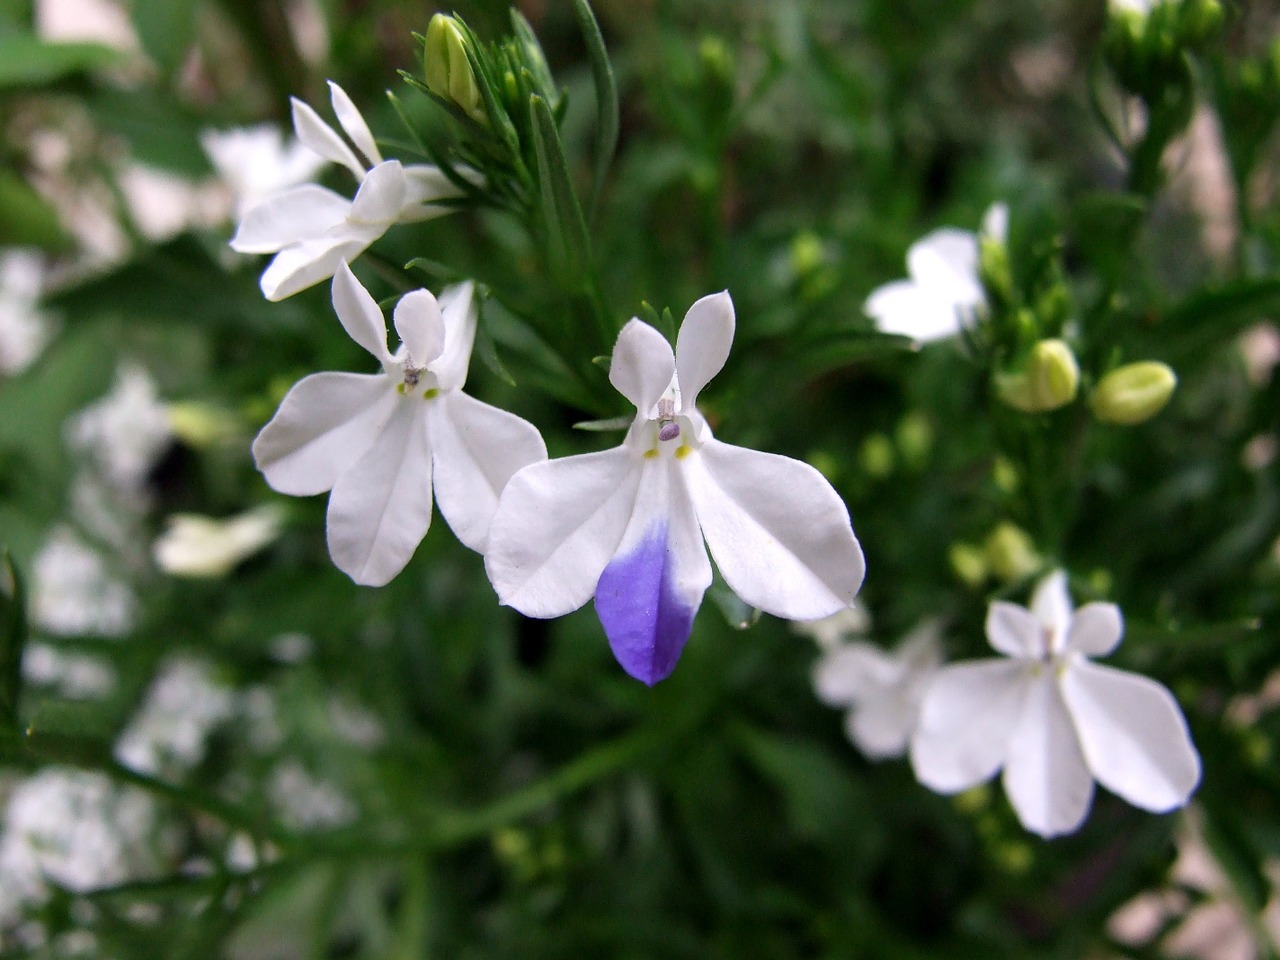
(668, 428)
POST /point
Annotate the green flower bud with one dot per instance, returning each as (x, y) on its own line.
(876, 456)
(1048, 380)
(914, 436)
(994, 269)
(968, 563)
(1011, 555)
(448, 72)
(1133, 393)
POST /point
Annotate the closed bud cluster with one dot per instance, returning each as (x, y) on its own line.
(448, 71)
(994, 269)
(1048, 379)
(1133, 393)
(1145, 40)
(1010, 553)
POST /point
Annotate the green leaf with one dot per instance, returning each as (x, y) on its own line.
(28, 61)
(26, 219)
(566, 230)
(606, 97)
(167, 29)
(815, 354)
(1212, 316)
(13, 636)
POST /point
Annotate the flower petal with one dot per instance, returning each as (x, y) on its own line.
(966, 718)
(303, 265)
(476, 449)
(460, 311)
(380, 508)
(359, 314)
(882, 726)
(424, 185)
(1134, 735)
(905, 308)
(1051, 603)
(558, 523)
(945, 262)
(380, 198)
(995, 222)
(1015, 631)
(324, 424)
(353, 123)
(319, 137)
(421, 330)
(777, 530)
(642, 365)
(650, 591)
(702, 345)
(299, 214)
(852, 672)
(1045, 775)
(1096, 629)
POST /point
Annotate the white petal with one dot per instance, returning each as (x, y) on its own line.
(945, 262)
(380, 198)
(650, 591)
(1015, 631)
(303, 265)
(359, 314)
(777, 530)
(702, 345)
(353, 123)
(558, 523)
(882, 726)
(425, 185)
(1134, 736)
(906, 309)
(299, 214)
(642, 365)
(966, 719)
(1051, 603)
(476, 449)
(380, 509)
(1044, 771)
(1096, 629)
(319, 137)
(460, 311)
(418, 323)
(852, 672)
(324, 424)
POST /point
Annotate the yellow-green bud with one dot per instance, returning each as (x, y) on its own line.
(1010, 553)
(1048, 380)
(914, 436)
(1133, 393)
(876, 456)
(202, 425)
(993, 261)
(448, 72)
(807, 253)
(968, 563)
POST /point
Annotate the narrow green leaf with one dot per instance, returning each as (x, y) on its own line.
(488, 353)
(604, 426)
(606, 97)
(13, 636)
(561, 210)
(27, 61)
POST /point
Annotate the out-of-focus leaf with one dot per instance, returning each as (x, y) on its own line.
(560, 207)
(161, 133)
(26, 219)
(13, 636)
(1238, 857)
(28, 61)
(810, 356)
(166, 28)
(1215, 315)
(606, 97)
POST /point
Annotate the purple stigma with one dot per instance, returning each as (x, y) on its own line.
(646, 622)
(669, 431)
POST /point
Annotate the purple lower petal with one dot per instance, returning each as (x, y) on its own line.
(646, 622)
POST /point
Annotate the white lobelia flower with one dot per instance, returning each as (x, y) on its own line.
(380, 442)
(193, 545)
(944, 291)
(628, 524)
(1054, 720)
(24, 329)
(311, 229)
(257, 162)
(882, 690)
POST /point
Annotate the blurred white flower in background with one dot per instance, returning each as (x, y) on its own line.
(882, 690)
(79, 830)
(74, 676)
(829, 632)
(125, 433)
(198, 546)
(944, 292)
(184, 704)
(257, 162)
(304, 801)
(74, 594)
(24, 329)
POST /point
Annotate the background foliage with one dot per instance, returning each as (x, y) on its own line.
(504, 790)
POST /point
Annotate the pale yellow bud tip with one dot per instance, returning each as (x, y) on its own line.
(448, 72)
(1133, 393)
(1047, 381)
